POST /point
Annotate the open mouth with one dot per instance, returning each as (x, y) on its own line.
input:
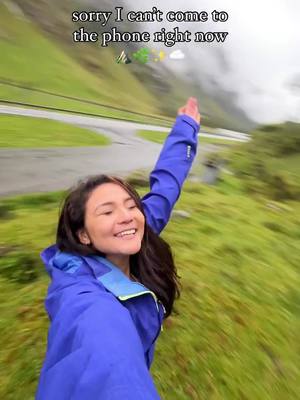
(126, 234)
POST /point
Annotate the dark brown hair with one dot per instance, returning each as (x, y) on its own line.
(153, 265)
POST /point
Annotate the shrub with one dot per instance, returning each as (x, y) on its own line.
(5, 211)
(139, 178)
(35, 200)
(281, 140)
(282, 187)
(254, 161)
(20, 266)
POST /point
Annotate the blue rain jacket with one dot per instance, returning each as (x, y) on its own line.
(104, 326)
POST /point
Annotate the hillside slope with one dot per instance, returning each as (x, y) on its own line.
(32, 58)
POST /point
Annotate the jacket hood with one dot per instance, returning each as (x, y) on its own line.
(52, 257)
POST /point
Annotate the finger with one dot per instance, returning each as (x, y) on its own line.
(192, 105)
(192, 101)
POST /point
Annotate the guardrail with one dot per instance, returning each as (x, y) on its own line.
(23, 86)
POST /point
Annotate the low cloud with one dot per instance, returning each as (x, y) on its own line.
(177, 55)
(258, 60)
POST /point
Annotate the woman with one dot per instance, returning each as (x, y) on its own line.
(113, 278)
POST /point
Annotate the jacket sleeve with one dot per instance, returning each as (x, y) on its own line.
(170, 171)
(94, 351)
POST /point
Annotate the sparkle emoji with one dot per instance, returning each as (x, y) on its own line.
(158, 55)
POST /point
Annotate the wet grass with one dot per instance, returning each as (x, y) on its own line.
(235, 332)
(29, 132)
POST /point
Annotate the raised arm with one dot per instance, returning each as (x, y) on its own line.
(173, 165)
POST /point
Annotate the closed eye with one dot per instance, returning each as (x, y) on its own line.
(110, 212)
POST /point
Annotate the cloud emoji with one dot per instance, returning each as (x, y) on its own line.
(177, 55)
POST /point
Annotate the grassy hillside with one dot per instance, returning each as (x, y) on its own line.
(30, 57)
(270, 163)
(236, 331)
(27, 132)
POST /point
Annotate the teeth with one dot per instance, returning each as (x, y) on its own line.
(129, 232)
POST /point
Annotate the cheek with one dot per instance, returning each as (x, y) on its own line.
(97, 227)
(142, 222)
(100, 235)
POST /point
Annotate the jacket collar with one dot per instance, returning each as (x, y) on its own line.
(111, 277)
(115, 280)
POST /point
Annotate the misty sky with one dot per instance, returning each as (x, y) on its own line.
(260, 59)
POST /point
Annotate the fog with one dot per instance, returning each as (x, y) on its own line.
(259, 60)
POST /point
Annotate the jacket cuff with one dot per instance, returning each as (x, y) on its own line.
(190, 121)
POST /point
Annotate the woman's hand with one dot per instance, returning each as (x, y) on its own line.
(191, 109)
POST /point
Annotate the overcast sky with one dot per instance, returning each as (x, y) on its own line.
(259, 60)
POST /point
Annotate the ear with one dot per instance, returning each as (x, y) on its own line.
(83, 237)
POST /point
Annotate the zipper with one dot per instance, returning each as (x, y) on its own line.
(164, 310)
(123, 298)
(130, 296)
(158, 333)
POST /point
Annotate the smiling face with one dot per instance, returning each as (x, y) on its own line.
(114, 225)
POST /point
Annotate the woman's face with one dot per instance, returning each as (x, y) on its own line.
(113, 222)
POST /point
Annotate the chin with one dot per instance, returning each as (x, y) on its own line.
(133, 249)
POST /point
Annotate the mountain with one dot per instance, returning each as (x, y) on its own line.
(90, 71)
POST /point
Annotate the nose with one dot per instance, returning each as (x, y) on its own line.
(124, 215)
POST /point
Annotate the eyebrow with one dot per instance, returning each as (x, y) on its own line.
(110, 203)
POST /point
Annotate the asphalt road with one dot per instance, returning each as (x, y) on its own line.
(43, 170)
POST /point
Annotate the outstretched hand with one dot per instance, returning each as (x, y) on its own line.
(191, 109)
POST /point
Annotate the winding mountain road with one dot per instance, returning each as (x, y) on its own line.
(42, 170)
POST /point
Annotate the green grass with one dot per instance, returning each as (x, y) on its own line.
(289, 165)
(152, 136)
(29, 132)
(159, 137)
(236, 332)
